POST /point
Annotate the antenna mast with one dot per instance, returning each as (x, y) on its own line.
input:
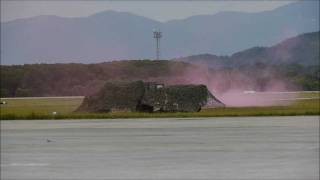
(157, 35)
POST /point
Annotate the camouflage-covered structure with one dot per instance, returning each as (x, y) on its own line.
(149, 97)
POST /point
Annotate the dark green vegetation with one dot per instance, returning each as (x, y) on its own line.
(148, 97)
(65, 107)
(80, 79)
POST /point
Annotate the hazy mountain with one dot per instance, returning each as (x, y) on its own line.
(103, 36)
(302, 49)
(113, 35)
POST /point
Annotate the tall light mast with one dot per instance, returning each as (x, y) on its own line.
(157, 35)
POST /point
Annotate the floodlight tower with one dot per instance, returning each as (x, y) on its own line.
(157, 35)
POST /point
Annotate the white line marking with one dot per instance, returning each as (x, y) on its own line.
(26, 164)
(292, 99)
(289, 92)
(61, 97)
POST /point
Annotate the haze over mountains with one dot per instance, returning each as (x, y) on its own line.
(113, 35)
(302, 49)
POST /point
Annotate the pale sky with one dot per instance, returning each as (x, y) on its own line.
(154, 9)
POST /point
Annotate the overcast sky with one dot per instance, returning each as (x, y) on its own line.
(158, 10)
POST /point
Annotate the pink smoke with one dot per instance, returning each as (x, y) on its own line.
(235, 88)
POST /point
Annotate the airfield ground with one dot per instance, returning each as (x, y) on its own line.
(305, 103)
(204, 147)
(249, 148)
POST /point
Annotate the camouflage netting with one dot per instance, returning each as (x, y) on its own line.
(149, 97)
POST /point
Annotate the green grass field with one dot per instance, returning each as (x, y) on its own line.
(43, 108)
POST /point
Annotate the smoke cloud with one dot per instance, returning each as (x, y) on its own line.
(236, 88)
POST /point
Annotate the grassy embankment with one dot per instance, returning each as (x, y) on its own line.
(42, 108)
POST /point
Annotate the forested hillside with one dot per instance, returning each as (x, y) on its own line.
(84, 79)
(302, 49)
(79, 79)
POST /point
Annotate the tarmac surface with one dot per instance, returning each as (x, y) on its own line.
(173, 148)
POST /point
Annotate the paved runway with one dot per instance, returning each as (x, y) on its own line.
(193, 148)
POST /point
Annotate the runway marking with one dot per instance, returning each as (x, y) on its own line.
(292, 99)
(26, 164)
(51, 97)
(280, 92)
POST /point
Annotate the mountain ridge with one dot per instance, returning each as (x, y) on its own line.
(302, 49)
(120, 35)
